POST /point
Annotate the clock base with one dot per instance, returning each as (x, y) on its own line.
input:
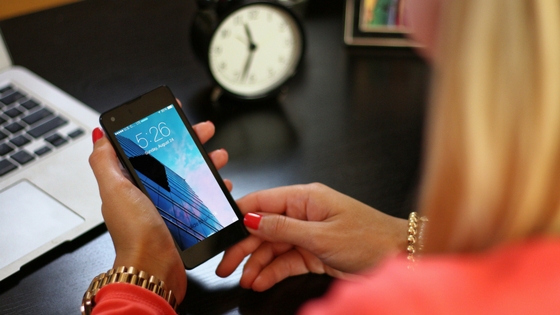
(214, 105)
(222, 100)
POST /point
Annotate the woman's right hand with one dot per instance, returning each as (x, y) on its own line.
(140, 236)
(309, 228)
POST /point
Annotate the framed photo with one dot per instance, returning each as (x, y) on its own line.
(376, 23)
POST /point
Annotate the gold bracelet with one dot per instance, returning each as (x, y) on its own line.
(415, 235)
(129, 275)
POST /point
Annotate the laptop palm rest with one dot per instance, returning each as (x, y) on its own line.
(25, 229)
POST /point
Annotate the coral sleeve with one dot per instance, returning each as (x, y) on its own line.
(124, 299)
(518, 278)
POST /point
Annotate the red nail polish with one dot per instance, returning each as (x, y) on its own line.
(96, 134)
(252, 220)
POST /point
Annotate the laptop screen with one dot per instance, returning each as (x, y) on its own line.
(5, 61)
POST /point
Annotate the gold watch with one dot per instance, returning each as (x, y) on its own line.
(129, 275)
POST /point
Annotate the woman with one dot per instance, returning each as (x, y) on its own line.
(489, 190)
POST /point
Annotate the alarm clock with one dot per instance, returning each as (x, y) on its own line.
(251, 48)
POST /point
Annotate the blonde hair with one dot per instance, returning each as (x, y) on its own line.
(492, 171)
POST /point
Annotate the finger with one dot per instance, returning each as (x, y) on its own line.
(204, 131)
(277, 200)
(234, 255)
(228, 184)
(219, 158)
(286, 265)
(281, 228)
(179, 102)
(260, 258)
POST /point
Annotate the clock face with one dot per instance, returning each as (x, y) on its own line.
(255, 50)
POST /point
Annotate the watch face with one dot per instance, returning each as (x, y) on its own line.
(255, 50)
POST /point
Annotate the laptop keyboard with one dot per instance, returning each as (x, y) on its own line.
(29, 130)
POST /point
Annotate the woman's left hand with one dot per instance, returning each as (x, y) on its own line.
(139, 234)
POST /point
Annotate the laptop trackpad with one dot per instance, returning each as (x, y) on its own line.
(30, 218)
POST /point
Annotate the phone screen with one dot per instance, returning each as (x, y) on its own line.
(176, 176)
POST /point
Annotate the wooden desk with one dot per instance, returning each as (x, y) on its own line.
(352, 119)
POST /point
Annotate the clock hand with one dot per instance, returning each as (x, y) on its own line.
(252, 48)
(252, 45)
(247, 65)
(241, 40)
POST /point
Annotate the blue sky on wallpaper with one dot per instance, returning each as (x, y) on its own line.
(177, 150)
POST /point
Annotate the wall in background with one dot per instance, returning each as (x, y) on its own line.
(11, 8)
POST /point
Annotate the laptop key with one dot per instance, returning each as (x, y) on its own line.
(42, 151)
(6, 167)
(14, 127)
(6, 89)
(56, 140)
(13, 113)
(29, 104)
(20, 141)
(5, 149)
(22, 157)
(76, 133)
(46, 127)
(12, 98)
(37, 116)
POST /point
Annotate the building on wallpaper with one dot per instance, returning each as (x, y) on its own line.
(186, 216)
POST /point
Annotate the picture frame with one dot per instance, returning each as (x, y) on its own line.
(376, 23)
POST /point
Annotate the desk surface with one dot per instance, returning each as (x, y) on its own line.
(351, 119)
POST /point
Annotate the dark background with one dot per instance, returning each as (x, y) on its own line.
(352, 119)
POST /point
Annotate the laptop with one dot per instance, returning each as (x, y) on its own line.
(48, 194)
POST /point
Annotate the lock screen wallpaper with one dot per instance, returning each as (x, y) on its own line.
(176, 176)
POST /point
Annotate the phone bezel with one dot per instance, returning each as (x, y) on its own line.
(145, 105)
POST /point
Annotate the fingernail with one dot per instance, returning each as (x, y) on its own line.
(252, 220)
(96, 134)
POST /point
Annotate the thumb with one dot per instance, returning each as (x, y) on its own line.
(280, 228)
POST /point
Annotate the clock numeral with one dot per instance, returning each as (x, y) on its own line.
(222, 66)
(288, 42)
(269, 17)
(238, 20)
(225, 33)
(282, 27)
(218, 50)
(252, 78)
(271, 72)
(163, 129)
(282, 59)
(143, 140)
(253, 14)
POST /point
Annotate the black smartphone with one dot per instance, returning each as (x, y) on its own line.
(157, 145)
